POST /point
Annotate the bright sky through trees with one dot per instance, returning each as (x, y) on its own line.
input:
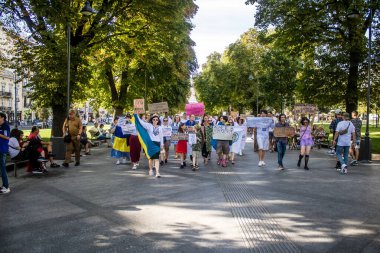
(219, 23)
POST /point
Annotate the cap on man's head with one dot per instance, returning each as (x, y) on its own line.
(338, 111)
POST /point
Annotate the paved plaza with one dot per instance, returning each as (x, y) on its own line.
(103, 207)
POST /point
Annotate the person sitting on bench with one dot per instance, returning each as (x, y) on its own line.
(17, 148)
(43, 148)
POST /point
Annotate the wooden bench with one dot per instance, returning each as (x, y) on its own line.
(14, 163)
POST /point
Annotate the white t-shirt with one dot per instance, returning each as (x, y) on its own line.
(345, 139)
(13, 146)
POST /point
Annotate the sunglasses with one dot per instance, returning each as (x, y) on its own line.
(165, 120)
(154, 119)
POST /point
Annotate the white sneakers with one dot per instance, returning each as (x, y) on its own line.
(134, 167)
(124, 161)
(343, 169)
(117, 162)
(4, 190)
(261, 163)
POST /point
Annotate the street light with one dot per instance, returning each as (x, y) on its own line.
(87, 11)
(367, 151)
(257, 94)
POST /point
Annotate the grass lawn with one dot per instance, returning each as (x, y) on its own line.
(374, 133)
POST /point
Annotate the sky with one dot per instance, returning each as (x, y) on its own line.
(219, 23)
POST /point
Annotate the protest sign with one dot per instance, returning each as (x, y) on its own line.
(166, 131)
(121, 121)
(305, 109)
(284, 131)
(192, 139)
(197, 109)
(158, 107)
(223, 133)
(260, 122)
(234, 114)
(139, 106)
(180, 136)
(236, 141)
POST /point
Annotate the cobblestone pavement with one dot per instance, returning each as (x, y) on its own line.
(103, 207)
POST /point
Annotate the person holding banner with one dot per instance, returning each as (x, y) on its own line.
(175, 127)
(262, 136)
(150, 136)
(223, 146)
(281, 142)
(196, 147)
(120, 149)
(167, 133)
(306, 141)
(243, 125)
(182, 146)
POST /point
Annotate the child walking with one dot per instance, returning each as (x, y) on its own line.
(182, 146)
(197, 147)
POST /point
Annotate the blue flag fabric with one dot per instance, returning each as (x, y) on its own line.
(148, 145)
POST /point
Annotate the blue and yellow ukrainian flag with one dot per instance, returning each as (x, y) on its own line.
(120, 141)
(147, 144)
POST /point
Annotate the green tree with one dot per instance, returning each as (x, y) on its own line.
(327, 31)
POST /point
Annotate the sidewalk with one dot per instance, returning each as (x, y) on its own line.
(102, 207)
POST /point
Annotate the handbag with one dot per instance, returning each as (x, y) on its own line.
(67, 138)
(344, 131)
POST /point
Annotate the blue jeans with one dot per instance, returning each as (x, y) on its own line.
(345, 150)
(281, 148)
(4, 176)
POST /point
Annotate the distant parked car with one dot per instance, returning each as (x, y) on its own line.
(42, 125)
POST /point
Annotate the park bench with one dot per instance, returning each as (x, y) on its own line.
(14, 163)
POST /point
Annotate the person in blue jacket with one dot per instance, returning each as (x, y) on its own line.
(4, 139)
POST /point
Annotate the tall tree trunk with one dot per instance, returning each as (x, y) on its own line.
(59, 115)
(351, 97)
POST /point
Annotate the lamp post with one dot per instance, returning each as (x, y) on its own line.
(367, 151)
(257, 94)
(87, 11)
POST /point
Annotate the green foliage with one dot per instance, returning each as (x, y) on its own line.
(248, 68)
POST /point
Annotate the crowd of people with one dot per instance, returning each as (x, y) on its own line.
(190, 136)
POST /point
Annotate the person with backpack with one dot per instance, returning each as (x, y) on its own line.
(342, 140)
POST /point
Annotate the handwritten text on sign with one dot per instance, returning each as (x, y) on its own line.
(158, 107)
(305, 109)
(223, 133)
(180, 136)
(139, 106)
(259, 122)
(284, 131)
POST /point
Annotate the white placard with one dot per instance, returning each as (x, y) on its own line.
(222, 132)
(259, 122)
(192, 139)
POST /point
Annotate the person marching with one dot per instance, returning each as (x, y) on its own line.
(167, 131)
(306, 141)
(197, 147)
(262, 135)
(182, 145)
(281, 142)
(175, 126)
(242, 124)
(206, 130)
(120, 149)
(134, 144)
(153, 142)
(223, 146)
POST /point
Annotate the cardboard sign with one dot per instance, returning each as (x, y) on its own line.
(260, 122)
(180, 136)
(158, 107)
(166, 131)
(139, 106)
(305, 109)
(198, 109)
(234, 114)
(284, 131)
(223, 133)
